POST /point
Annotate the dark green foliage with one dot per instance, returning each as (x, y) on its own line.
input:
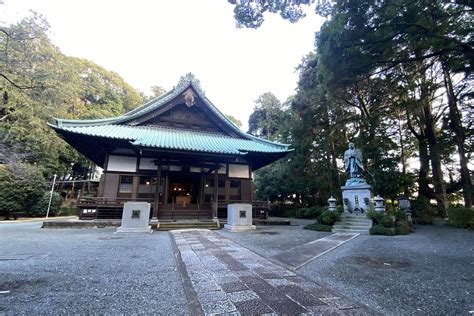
(381, 230)
(392, 222)
(319, 227)
(402, 228)
(462, 217)
(41, 207)
(21, 187)
(67, 211)
(282, 210)
(308, 212)
(328, 217)
(423, 211)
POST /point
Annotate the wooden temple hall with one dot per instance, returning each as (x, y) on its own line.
(177, 152)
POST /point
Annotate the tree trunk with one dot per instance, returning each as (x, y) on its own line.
(460, 136)
(423, 183)
(435, 156)
(403, 160)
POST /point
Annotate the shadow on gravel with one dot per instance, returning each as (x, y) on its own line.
(21, 285)
(268, 233)
(379, 262)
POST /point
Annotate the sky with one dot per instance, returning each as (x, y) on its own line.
(155, 42)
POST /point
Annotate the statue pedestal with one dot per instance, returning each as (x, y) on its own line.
(135, 218)
(239, 217)
(357, 198)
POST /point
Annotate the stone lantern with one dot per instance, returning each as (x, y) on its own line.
(379, 207)
(332, 204)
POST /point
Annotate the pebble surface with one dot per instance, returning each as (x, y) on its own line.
(87, 271)
(428, 272)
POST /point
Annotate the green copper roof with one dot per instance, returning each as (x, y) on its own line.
(178, 139)
(187, 81)
(126, 127)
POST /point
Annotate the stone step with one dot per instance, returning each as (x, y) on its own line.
(187, 225)
(346, 226)
(344, 220)
(358, 231)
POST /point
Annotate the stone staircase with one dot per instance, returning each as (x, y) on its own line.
(187, 224)
(351, 223)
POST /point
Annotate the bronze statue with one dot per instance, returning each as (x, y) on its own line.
(353, 162)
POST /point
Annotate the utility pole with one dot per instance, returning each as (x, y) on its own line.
(51, 195)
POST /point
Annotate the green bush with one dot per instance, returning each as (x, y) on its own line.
(21, 187)
(387, 220)
(328, 217)
(461, 217)
(319, 227)
(41, 208)
(67, 211)
(381, 230)
(301, 212)
(423, 211)
(282, 210)
(402, 228)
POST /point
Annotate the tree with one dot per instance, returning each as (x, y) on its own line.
(267, 119)
(234, 120)
(369, 40)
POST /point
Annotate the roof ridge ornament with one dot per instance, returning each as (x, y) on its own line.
(187, 79)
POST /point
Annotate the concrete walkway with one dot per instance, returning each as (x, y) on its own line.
(221, 276)
(301, 255)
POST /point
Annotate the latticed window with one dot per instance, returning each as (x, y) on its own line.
(147, 185)
(126, 184)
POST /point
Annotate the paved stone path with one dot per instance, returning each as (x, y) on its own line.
(221, 276)
(299, 256)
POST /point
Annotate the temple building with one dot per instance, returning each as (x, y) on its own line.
(177, 152)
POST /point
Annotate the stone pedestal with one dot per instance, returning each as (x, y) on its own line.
(135, 218)
(239, 217)
(357, 198)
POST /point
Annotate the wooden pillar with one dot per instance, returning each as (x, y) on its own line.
(216, 192)
(135, 184)
(157, 193)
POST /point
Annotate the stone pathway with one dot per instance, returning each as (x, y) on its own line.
(299, 256)
(221, 276)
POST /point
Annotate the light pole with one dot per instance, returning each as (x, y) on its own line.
(51, 195)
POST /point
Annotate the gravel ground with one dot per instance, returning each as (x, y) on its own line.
(429, 272)
(272, 240)
(87, 271)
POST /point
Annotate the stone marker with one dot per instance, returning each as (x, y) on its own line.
(239, 217)
(135, 218)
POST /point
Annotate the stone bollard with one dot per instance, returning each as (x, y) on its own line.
(332, 204)
(379, 207)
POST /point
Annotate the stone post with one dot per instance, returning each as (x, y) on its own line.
(332, 204)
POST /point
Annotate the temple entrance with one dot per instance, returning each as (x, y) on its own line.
(184, 190)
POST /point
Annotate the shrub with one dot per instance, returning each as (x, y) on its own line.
(328, 217)
(462, 217)
(41, 208)
(282, 210)
(67, 211)
(402, 228)
(313, 212)
(387, 220)
(373, 215)
(423, 211)
(319, 227)
(21, 187)
(381, 230)
(301, 212)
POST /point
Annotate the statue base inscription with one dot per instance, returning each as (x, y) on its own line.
(357, 198)
(135, 218)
